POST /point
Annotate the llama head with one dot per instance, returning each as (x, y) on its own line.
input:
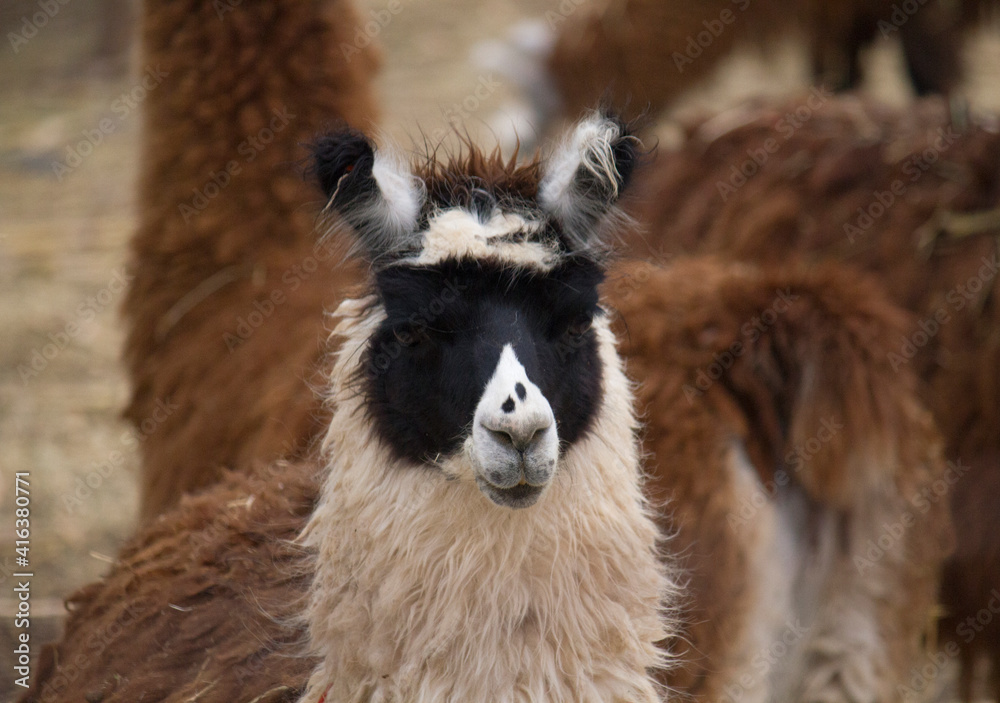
(485, 276)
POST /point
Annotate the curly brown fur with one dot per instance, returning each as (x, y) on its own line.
(225, 313)
(200, 605)
(933, 249)
(819, 362)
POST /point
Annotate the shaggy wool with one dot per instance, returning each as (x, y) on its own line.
(781, 444)
(908, 197)
(225, 312)
(199, 605)
(426, 592)
(640, 55)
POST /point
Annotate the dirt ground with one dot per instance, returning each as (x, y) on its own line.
(63, 241)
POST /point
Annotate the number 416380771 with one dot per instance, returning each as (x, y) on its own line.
(22, 500)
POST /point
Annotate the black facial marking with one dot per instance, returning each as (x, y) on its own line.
(459, 315)
(508, 405)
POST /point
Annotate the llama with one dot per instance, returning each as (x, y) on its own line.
(785, 450)
(641, 55)
(480, 532)
(931, 245)
(229, 284)
(423, 590)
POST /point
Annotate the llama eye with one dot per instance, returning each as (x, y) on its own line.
(407, 336)
(580, 326)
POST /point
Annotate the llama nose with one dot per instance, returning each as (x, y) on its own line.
(515, 440)
(520, 430)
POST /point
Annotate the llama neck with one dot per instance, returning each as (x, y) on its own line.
(427, 591)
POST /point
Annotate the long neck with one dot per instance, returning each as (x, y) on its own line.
(226, 277)
(243, 85)
(426, 591)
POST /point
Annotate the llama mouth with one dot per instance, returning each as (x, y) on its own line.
(523, 495)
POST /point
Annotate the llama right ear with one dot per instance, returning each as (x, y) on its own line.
(585, 175)
(376, 193)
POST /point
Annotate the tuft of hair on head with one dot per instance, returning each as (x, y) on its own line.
(585, 175)
(373, 190)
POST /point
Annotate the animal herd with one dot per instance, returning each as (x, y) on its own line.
(718, 424)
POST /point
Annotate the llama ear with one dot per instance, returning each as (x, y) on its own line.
(586, 174)
(374, 192)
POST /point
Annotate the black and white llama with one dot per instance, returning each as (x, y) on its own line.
(482, 533)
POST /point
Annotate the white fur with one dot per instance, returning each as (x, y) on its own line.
(788, 569)
(458, 233)
(425, 591)
(589, 146)
(502, 462)
(810, 606)
(387, 224)
(847, 659)
(589, 150)
(775, 552)
(402, 191)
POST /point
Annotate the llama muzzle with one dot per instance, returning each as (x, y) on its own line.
(515, 441)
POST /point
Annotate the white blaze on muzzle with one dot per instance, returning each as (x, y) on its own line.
(515, 442)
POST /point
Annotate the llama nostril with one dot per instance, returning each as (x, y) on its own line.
(539, 434)
(535, 436)
(501, 436)
(519, 437)
(528, 436)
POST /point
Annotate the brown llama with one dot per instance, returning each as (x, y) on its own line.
(225, 312)
(641, 55)
(474, 536)
(200, 604)
(907, 197)
(784, 449)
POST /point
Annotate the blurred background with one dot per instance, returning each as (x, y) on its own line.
(64, 231)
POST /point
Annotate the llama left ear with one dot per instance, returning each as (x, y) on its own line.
(376, 193)
(586, 174)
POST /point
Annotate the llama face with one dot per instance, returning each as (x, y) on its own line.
(488, 284)
(495, 361)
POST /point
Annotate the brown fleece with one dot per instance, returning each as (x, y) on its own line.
(200, 605)
(640, 55)
(225, 313)
(934, 248)
(731, 354)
